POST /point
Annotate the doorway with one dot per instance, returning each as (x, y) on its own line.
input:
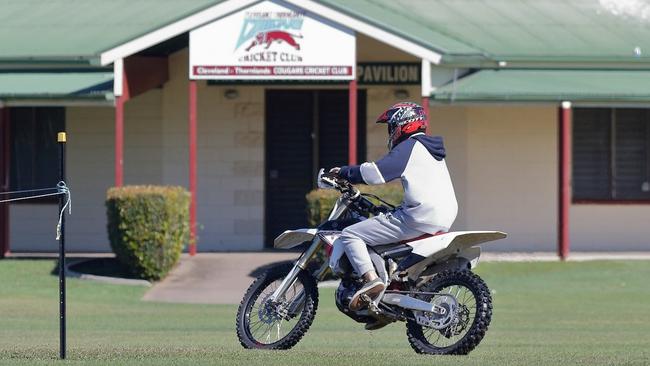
(305, 130)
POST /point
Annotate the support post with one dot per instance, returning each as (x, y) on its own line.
(5, 141)
(425, 84)
(425, 105)
(192, 135)
(121, 90)
(61, 139)
(352, 120)
(564, 199)
(119, 141)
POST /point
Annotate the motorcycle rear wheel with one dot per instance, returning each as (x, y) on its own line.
(477, 314)
(259, 325)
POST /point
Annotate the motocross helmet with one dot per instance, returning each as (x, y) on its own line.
(403, 119)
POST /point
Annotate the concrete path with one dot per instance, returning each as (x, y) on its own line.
(551, 256)
(213, 278)
(222, 278)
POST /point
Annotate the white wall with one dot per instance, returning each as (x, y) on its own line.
(32, 228)
(610, 227)
(512, 175)
(90, 150)
(504, 163)
(230, 207)
(90, 170)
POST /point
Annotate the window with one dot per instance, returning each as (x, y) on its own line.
(611, 154)
(34, 159)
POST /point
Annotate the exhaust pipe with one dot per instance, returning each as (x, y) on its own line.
(412, 303)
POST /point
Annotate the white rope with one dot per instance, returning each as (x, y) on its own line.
(27, 190)
(61, 188)
(32, 197)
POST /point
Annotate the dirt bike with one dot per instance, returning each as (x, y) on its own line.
(430, 286)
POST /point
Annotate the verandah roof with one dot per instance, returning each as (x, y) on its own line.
(548, 86)
(57, 85)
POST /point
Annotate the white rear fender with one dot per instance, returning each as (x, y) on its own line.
(292, 238)
(454, 242)
(444, 248)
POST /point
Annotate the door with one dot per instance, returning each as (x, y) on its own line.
(305, 130)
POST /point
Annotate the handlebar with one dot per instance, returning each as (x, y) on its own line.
(354, 194)
(339, 183)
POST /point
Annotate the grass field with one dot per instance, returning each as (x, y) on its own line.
(591, 313)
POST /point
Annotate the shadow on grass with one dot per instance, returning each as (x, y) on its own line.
(261, 269)
(312, 268)
(107, 267)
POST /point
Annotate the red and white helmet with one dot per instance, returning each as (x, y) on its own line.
(404, 119)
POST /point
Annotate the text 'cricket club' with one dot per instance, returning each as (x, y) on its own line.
(269, 44)
(261, 30)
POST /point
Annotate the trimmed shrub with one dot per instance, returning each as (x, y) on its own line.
(148, 227)
(321, 201)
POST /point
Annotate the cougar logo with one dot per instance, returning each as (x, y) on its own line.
(267, 38)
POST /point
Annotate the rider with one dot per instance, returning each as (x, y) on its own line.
(429, 204)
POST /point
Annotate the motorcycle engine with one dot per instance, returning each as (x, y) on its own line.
(343, 296)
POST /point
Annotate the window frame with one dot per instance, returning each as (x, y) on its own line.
(612, 163)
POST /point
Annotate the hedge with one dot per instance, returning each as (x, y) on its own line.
(321, 201)
(148, 227)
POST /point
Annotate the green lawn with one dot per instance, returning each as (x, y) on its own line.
(544, 314)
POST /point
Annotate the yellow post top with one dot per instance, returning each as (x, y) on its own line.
(60, 137)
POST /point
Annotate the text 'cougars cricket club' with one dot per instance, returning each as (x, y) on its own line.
(270, 44)
(273, 70)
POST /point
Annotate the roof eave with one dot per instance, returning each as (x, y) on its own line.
(48, 62)
(555, 98)
(541, 62)
(45, 100)
(222, 9)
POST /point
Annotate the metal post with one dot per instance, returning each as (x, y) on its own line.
(61, 139)
(425, 105)
(564, 199)
(192, 135)
(352, 120)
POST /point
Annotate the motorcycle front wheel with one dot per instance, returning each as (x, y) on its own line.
(263, 324)
(471, 321)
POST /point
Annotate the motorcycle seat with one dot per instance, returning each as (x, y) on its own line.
(394, 250)
(401, 249)
(423, 236)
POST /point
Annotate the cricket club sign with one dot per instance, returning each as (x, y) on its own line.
(272, 40)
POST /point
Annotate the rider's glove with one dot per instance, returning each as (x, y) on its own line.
(323, 183)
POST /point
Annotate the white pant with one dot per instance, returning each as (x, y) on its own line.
(383, 229)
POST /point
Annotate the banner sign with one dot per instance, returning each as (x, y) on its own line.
(389, 73)
(272, 40)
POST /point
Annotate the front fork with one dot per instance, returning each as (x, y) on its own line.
(291, 277)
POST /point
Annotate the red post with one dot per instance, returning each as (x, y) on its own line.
(352, 120)
(119, 129)
(192, 134)
(5, 141)
(425, 105)
(119, 140)
(564, 130)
